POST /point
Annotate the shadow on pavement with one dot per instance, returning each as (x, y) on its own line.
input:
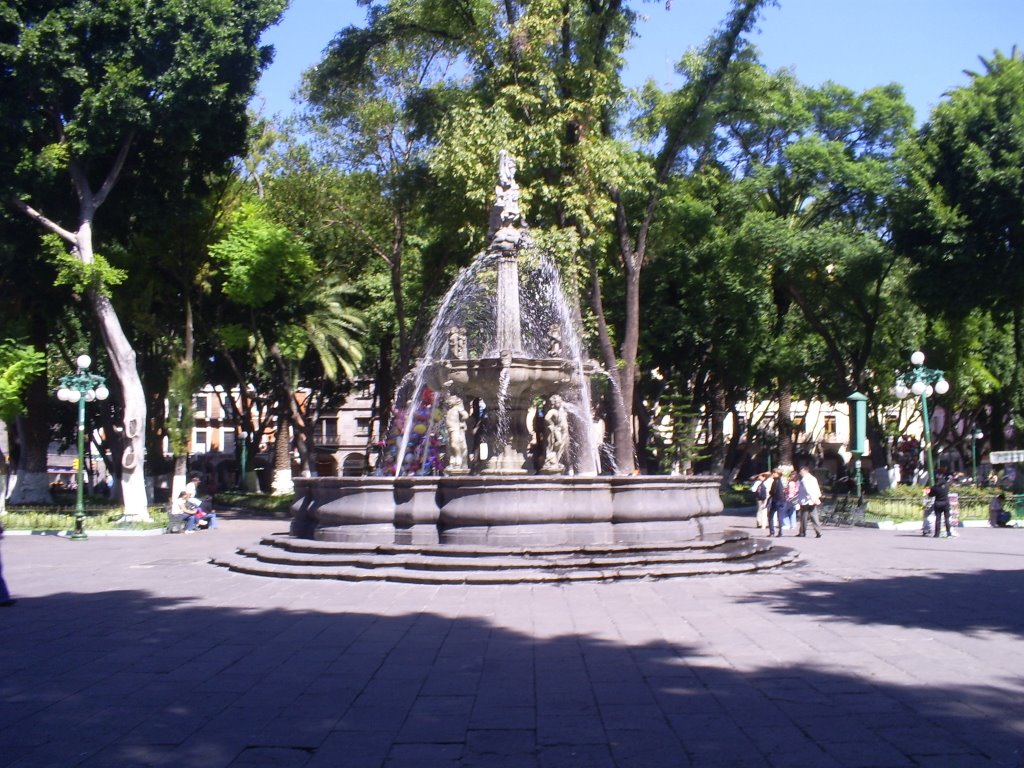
(988, 600)
(125, 679)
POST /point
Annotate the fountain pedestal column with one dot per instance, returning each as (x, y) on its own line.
(512, 448)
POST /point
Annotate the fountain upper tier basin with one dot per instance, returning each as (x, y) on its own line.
(483, 378)
(518, 511)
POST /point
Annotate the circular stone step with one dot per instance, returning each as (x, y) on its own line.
(285, 557)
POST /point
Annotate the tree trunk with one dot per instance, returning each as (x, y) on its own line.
(785, 425)
(180, 478)
(718, 411)
(122, 362)
(624, 433)
(383, 394)
(283, 483)
(293, 412)
(621, 426)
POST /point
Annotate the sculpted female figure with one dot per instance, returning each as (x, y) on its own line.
(557, 424)
(455, 420)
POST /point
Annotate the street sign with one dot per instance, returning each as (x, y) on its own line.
(1006, 457)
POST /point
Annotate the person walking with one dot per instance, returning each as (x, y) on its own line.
(808, 499)
(760, 489)
(776, 504)
(940, 494)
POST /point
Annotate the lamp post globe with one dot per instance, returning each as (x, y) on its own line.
(83, 362)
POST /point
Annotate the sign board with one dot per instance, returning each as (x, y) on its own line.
(1006, 457)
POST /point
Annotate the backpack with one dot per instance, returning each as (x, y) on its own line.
(761, 492)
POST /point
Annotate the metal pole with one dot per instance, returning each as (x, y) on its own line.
(974, 459)
(928, 439)
(79, 500)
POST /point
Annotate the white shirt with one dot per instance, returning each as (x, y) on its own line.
(810, 491)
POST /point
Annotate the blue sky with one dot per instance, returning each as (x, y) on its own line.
(925, 45)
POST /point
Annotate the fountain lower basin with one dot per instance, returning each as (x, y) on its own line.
(508, 511)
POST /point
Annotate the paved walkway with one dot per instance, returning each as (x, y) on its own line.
(881, 648)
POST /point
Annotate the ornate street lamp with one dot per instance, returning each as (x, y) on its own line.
(81, 387)
(976, 435)
(923, 382)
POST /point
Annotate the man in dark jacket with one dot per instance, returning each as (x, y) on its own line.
(776, 504)
(940, 492)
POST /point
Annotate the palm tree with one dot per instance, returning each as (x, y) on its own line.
(325, 335)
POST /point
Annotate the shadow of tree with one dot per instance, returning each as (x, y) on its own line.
(126, 679)
(988, 600)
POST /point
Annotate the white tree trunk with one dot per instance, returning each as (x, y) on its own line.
(122, 361)
(180, 477)
(283, 481)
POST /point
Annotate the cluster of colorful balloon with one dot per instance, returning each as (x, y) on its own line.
(424, 449)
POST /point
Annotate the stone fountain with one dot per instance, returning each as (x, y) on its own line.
(500, 407)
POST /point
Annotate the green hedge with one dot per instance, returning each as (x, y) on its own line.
(63, 519)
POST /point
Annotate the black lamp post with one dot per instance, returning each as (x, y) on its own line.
(81, 387)
(923, 382)
(976, 435)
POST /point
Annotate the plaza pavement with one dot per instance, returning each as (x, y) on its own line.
(881, 648)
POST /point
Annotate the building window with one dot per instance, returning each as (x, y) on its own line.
(201, 438)
(365, 391)
(830, 425)
(362, 427)
(329, 430)
(799, 423)
(199, 404)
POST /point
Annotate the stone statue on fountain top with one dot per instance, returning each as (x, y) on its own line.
(504, 231)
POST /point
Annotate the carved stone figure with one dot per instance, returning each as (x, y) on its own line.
(455, 420)
(506, 169)
(557, 423)
(554, 341)
(457, 343)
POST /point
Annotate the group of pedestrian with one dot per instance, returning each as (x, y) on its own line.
(779, 498)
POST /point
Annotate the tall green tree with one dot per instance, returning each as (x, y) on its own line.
(819, 167)
(962, 218)
(104, 99)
